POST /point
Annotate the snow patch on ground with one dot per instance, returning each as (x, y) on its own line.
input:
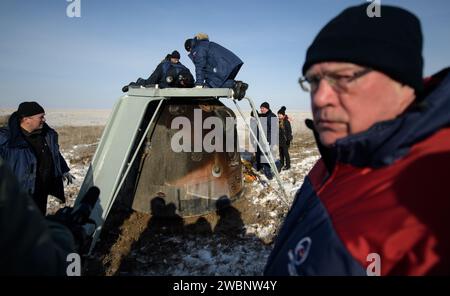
(71, 191)
(233, 260)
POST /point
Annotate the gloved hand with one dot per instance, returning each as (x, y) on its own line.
(127, 87)
(288, 143)
(81, 238)
(68, 177)
(239, 89)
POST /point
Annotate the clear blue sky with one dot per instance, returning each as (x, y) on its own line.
(83, 62)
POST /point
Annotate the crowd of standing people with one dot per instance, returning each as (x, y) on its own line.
(278, 132)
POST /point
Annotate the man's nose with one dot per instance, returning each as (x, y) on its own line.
(324, 95)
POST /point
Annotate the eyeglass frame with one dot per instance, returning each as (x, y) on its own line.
(333, 81)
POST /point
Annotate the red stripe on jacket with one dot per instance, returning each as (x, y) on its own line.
(396, 211)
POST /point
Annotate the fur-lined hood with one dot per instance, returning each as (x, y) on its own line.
(202, 36)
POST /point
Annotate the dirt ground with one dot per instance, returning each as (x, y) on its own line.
(133, 243)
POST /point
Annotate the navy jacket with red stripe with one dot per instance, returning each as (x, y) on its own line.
(378, 197)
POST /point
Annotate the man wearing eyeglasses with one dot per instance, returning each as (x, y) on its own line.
(377, 202)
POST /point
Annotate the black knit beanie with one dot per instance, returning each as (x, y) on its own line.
(29, 109)
(175, 54)
(391, 44)
(188, 44)
(265, 105)
(282, 110)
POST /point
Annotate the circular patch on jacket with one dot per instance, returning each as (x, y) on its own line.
(299, 255)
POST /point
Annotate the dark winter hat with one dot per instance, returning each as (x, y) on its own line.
(282, 110)
(175, 54)
(29, 109)
(391, 44)
(188, 44)
(265, 105)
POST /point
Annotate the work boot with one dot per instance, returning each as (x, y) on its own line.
(239, 90)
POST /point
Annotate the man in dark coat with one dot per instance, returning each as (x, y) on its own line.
(377, 201)
(30, 148)
(269, 124)
(215, 66)
(285, 138)
(169, 73)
